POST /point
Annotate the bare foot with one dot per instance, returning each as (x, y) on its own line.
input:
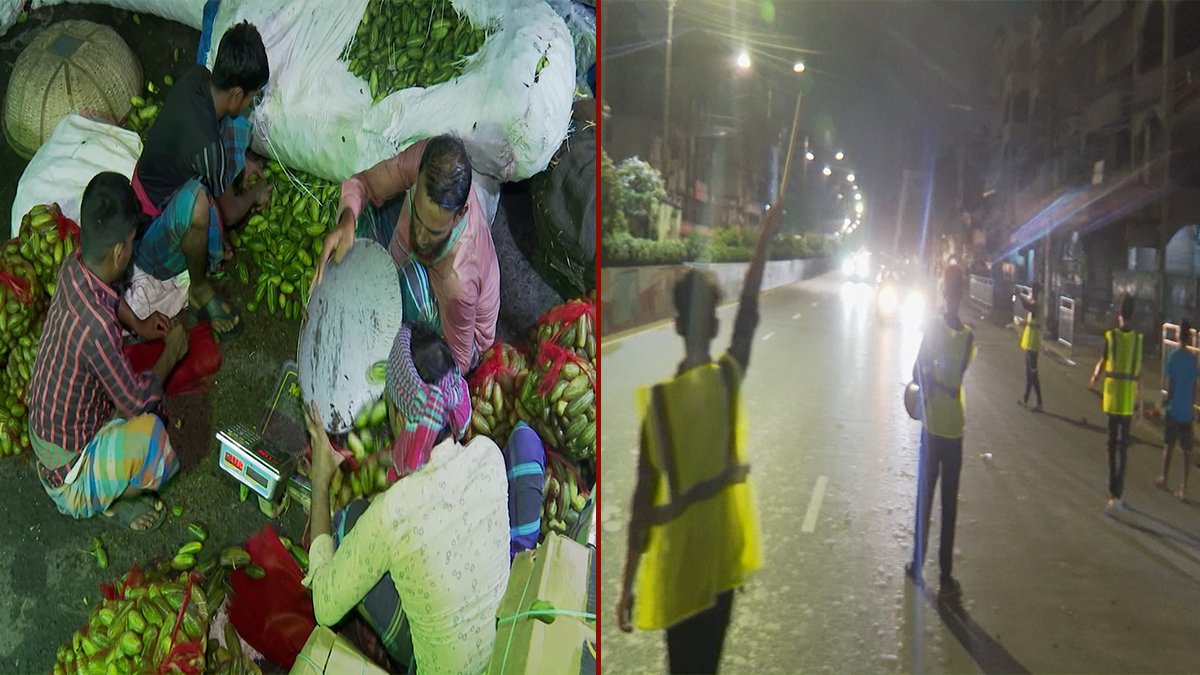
(1161, 482)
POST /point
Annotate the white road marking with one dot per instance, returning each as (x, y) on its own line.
(795, 316)
(768, 336)
(814, 505)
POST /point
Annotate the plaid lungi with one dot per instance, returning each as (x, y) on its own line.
(526, 461)
(381, 608)
(159, 251)
(137, 452)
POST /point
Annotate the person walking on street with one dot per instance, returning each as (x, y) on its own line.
(1031, 342)
(1181, 397)
(946, 350)
(1121, 366)
(693, 531)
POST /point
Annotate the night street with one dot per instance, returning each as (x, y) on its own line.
(1050, 582)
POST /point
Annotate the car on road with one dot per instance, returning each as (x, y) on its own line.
(901, 293)
(859, 266)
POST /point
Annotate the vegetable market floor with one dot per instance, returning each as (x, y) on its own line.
(46, 580)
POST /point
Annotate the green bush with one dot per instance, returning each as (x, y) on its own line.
(723, 246)
(630, 194)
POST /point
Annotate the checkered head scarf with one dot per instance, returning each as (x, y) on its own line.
(427, 408)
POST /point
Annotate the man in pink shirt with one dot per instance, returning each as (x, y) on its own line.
(438, 235)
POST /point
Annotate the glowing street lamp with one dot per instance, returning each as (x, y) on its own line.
(809, 156)
(827, 171)
(858, 196)
(839, 156)
(850, 178)
(743, 60)
(858, 208)
(799, 67)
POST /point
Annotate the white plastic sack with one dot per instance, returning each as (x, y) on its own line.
(78, 149)
(319, 117)
(581, 22)
(187, 12)
(9, 10)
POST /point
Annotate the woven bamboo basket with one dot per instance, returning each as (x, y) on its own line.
(71, 67)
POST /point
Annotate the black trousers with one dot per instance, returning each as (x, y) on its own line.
(1118, 448)
(694, 644)
(1032, 381)
(938, 456)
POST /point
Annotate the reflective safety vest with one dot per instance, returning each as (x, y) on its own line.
(945, 355)
(1122, 365)
(1031, 337)
(703, 532)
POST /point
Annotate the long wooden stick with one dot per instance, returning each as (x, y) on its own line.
(787, 164)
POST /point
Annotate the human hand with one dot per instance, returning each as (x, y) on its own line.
(625, 612)
(177, 341)
(153, 327)
(254, 166)
(323, 464)
(337, 245)
(772, 219)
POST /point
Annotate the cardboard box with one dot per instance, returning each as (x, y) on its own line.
(560, 572)
(327, 652)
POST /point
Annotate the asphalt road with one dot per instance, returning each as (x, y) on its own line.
(1050, 582)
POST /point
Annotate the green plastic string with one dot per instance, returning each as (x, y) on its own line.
(587, 616)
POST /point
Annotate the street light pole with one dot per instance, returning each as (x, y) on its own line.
(667, 87)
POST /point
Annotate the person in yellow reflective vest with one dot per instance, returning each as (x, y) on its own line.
(1121, 366)
(946, 350)
(693, 530)
(1031, 342)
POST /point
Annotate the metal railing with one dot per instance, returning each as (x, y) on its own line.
(1170, 343)
(1066, 327)
(981, 291)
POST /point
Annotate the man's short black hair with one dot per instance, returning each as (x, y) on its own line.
(108, 215)
(430, 353)
(447, 171)
(697, 292)
(1127, 306)
(241, 60)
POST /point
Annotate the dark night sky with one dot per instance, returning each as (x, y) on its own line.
(884, 73)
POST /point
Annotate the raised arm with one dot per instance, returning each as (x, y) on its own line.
(747, 316)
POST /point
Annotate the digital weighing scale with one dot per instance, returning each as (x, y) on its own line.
(352, 321)
(265, 459)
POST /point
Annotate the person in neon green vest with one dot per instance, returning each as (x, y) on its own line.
(1121, 366)
(693, 531)
(946, 350)
(1031, 343)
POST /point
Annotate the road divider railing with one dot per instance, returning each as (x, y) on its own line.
(981, 289)
(1170, 343)
(1065, 344)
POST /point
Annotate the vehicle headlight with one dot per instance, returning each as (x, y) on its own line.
(887, 300)
(862, 267)
(914, 307)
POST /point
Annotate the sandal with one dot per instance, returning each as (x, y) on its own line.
(126, 511)
(212, 311)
